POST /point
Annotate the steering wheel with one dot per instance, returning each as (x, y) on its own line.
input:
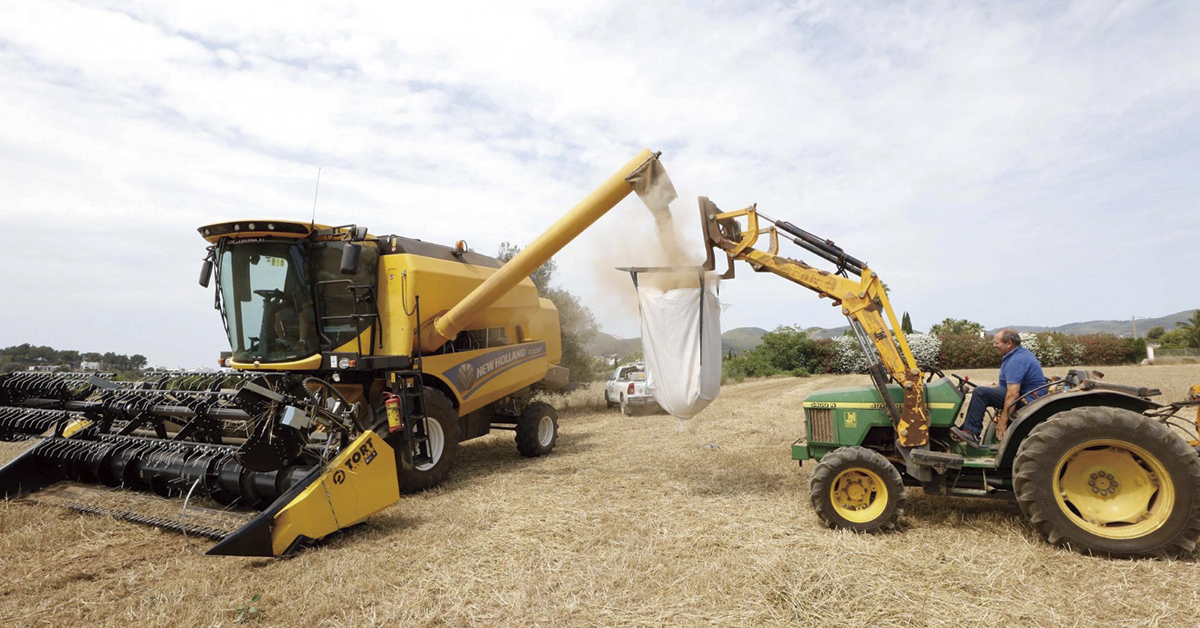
(273, 297)
(963, 383)
(932, 370)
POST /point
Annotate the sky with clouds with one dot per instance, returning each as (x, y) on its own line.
(1024, 163)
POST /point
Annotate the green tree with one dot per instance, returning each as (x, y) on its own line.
(1175, 339)
(956, 327)
(21, 357)
(541, 276)
(1192, 327)
(1154, 333)
(906, 324)
(577, 323)
(787, 348)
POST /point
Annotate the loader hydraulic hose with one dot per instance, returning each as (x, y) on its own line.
(543, 248)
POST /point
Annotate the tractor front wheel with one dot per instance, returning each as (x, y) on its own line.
(1110, 481)
(856, 488)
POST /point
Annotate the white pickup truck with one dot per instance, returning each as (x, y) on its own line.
(626, 387)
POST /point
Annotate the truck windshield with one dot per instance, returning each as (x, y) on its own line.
(267, 302)
(267, 298)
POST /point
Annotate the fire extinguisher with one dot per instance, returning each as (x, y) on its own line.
(391, 403)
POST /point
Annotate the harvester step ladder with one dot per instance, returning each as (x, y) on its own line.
(407, 385)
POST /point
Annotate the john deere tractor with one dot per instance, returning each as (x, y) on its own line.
(1096, 467)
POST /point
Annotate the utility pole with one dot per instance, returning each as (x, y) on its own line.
(1133, 319)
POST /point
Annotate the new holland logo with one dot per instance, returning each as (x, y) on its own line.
(466, 376)
(480, 370)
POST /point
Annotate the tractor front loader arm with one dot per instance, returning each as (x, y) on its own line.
(864, 302)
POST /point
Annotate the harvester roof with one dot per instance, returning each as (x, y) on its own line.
(388, 245)
(259, 229)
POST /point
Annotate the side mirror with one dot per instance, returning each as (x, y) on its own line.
(358, 234)
(350, 258)
(206, 272)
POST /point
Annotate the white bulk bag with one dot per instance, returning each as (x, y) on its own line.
(681, 341)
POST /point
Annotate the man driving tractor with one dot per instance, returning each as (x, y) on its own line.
(1020, 373)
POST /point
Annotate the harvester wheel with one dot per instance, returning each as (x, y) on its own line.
(856, 488)
(537, 429)
(1110, 481)
(441, 424)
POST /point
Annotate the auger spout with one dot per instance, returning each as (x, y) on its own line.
(567, 228)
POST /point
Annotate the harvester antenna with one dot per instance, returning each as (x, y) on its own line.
(313, 224)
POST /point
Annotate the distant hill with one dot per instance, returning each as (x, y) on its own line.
(741, 339)
(608, 345)
(1117, 328)
(817, 333)
(747, 338)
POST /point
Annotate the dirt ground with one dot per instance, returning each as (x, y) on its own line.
(630, 522)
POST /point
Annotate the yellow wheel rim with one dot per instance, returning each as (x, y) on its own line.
(858, 495)
(1114, 489)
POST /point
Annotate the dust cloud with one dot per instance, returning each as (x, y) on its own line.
(661, 239)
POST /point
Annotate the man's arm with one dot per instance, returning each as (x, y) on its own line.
(1011, 394)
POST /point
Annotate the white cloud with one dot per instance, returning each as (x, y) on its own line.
(1009, 163)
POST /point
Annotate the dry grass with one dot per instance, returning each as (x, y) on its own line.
(630, 522)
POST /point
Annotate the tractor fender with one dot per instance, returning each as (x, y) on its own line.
(1039, 411)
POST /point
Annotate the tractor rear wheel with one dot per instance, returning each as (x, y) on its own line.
(1110, 481)
(856, 488)
(537, 429)
(441, 425)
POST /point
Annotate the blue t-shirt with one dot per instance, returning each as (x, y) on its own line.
(1020, 366)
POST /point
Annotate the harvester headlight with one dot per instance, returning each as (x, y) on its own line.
(344, 363)
(251, 226)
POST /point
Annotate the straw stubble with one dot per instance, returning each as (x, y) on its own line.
(627, 523)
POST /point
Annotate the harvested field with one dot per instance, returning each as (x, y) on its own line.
(630, 522)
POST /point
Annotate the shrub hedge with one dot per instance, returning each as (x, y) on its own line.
(789, 351)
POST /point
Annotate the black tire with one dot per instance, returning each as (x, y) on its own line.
(440, 417)
(626, 409)
(856, 488)
(609, 404)
(1064, 464)
(537, 430)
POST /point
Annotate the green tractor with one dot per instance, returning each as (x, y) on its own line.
(1096, 467)
(1093, 466)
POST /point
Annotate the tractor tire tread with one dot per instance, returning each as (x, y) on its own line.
(529, 444)
(1033, 466)
(437, 407)
(845, 458)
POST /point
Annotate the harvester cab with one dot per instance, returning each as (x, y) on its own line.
(358, 362)
(1095, 466)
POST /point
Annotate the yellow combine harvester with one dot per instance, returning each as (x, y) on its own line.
(361, 361)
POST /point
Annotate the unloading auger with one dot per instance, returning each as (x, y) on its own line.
(360, 362)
